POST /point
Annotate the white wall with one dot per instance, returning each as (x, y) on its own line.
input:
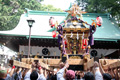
(104, 51)
(35, 49)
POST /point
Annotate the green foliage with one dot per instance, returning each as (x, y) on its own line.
(102, 6)
(11, 10)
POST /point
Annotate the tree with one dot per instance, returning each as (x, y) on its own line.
(82, 4)
(102, 6)
(11, 10)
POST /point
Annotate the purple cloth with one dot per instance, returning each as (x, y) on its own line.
(59, 28)
(91, 38)
(59, 41)
(73, 18)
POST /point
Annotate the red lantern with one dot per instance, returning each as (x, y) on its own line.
(53, 34)
(99, 25)
(52, 25)
(84, 42)
(99, 21)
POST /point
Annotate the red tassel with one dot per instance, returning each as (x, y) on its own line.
(99, 25)
(83, 47)
(65, 42)
(84, 42)
(65, 46)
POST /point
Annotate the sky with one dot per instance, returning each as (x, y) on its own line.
(63, 4)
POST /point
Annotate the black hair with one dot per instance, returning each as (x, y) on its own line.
(78, 77)
(89, 76)
(34, 75)
(107, 76)
(16, 76)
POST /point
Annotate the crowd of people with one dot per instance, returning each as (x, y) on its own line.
(39, 73)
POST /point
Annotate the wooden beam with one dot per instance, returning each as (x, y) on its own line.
(21, 64)
(106, 67)
(75, 61)
(54, 62)
(85, 66)
(111, 63)
(115, 64)
(90, 63)
(43, 65)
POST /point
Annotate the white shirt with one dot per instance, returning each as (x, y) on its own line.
(98, 75)
(41, 77)
(60, 74)
(27, 76)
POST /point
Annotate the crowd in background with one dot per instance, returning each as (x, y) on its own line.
(61, 73)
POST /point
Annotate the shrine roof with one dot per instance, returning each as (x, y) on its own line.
(41, 29)
(108, 31)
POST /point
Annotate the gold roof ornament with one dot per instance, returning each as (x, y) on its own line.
(94, 23)
(75, 10)
(75, 57)
(35, 56)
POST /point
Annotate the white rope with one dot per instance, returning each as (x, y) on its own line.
(65, 35)
(71, 35)
(77, 36)
(83, 36)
